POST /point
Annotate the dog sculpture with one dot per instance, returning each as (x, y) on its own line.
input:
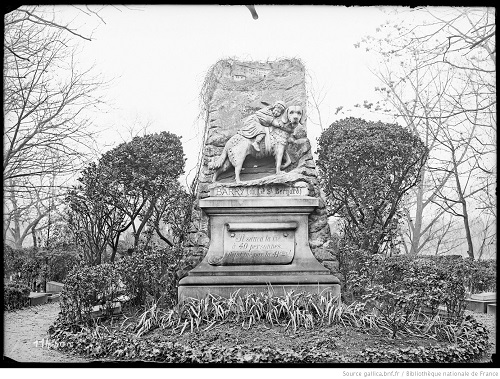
(237, 148)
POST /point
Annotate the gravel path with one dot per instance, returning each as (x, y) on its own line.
(25, 330)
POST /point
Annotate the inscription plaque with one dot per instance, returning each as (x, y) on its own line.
(254, 244)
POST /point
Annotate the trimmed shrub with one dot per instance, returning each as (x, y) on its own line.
(86, 287)
(399, 287)
(418, 284)
(15, 296)
(365, 169)
(479, 276)
(483, 276)
(149, 274)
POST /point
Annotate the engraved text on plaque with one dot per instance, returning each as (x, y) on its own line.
(254, 244)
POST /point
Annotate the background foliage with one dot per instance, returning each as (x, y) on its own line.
(32, 266)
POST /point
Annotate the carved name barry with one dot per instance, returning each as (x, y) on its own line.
(222, 191)
(250, 243)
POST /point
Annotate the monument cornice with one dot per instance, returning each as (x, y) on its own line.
(258, 204)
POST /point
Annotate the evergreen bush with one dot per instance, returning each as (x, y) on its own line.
(400, 286)
(15, 296)
(151, 273)
(86, 287)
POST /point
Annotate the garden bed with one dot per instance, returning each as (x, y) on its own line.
(229, 342)
(24, 327)
(329, 343)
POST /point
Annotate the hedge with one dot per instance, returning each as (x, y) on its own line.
(15, 296)
(149, 274)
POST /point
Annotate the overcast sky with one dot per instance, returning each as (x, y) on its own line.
(159, 54)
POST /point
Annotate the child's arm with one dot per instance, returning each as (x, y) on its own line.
(279, 124)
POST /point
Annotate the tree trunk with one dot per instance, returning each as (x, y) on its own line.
(465, 215)
(33, 235)
(159, 234)
(114, 247)
(417, 230)
(98, 258)
(468, 233)
(147, 216)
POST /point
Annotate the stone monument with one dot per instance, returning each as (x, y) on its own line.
(259, 223)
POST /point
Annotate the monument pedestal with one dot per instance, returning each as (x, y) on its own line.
(258, 244)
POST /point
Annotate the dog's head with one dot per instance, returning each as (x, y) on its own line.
(293, 114)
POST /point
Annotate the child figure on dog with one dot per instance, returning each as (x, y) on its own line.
(256, 126)
(238, 147)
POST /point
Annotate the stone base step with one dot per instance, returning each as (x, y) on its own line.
(485, 296)
(38, 298)
(492, 309)
(479, 306)
(226, 291)
(54, 297)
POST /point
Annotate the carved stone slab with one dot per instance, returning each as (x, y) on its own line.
(485, 296)
(269, 247)
(255, 244)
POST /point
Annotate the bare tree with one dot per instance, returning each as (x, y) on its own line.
(462, 166)
(25, 212)
(317, 95)
(443, 244)
(437, 76)
(44, 107)
(416, 93)
(48, 100)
